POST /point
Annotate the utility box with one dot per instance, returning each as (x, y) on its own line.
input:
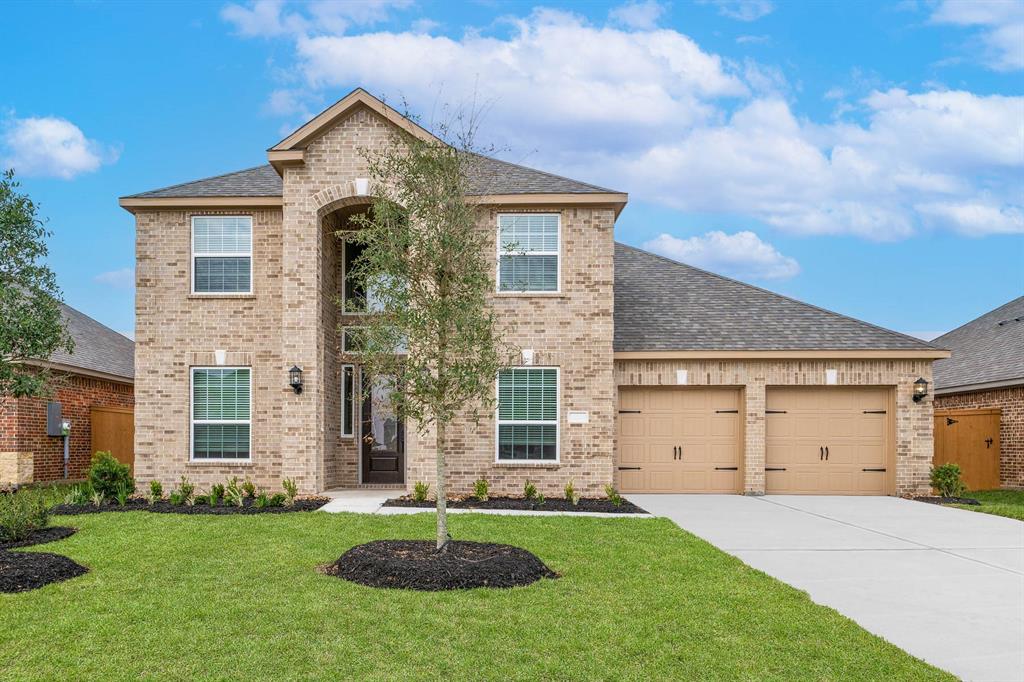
(54, 421)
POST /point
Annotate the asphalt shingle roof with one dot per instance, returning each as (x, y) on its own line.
(97, 347)
(486, 176)
(664, 305)
(988, 349)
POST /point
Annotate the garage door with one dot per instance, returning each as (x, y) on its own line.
(827, 441)
(674, 440)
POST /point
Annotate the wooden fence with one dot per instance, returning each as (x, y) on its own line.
(969, 438)
(113, 429)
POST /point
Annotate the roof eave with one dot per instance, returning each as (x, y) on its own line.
(822, 354)
(83, 371)
(132, 204)
(615, 200)
(980, 386)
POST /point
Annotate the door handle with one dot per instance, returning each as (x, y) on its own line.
(826, 453)
(821, 453)
(680, 453)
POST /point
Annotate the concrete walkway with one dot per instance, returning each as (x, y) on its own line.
(946, 585)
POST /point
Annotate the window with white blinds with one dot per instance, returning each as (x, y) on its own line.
(528, 414)
(221, 413)
(221, 254)
(529, 252)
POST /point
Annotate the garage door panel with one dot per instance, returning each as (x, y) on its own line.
(631, 425)
(694, 425)
(659, 426)
(725, 426)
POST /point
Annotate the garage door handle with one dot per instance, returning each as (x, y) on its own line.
(821, 452)
(826, 453)
(872, 469)
(629, 468)
(726, 468)
(775, 468)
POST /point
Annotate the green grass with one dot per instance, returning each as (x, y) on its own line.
(1008, 503)
(177, 597)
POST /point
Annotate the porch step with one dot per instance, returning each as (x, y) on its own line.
(380, 486)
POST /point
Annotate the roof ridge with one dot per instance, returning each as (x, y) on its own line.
(192, 182)
(778, 295)
(979, 317)
(551, 175)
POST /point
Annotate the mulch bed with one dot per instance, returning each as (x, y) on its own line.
(417, 565)
(948, 500)
(23, 571)
(164, 507)
(559, 504)
(41, 536)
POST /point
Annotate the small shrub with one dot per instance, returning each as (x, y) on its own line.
(262, 501)
(539, 499)
(613, 495)
(216, 494)
(249, 488)
(156, 492)
(122, 493)
(529, 490)
(183, 495)
(291, 490)
(571, 494)
(233, 493)
(79, 495)
(97, 498)
(107, 475)
(201, 499)
(277, 500)
(946, 479)
(175, 498)
(420, 490)
(21, 514)
(481, 489)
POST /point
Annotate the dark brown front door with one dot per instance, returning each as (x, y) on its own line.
(383, 437)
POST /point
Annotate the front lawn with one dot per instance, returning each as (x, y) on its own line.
(182, 597)
(1008, 503)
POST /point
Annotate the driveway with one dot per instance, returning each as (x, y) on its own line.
(946, 585)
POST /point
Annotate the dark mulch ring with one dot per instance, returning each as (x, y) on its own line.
(560, 504)
(948, 500)
(23, 571)
(41, 536)
(164, 507)
(417, 565)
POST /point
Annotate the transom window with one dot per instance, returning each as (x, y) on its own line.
(528, 252)
(528, 414)
(221, 398)
(222, 254)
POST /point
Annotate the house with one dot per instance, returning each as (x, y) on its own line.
(983, 382)
(92, 388)
(635, 370)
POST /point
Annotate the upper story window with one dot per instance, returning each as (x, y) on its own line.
(529, 252)
(221, 254)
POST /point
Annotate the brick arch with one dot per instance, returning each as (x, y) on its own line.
(338, 196)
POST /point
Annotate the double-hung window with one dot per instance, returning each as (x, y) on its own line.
(221, 254)
(528, 414)
(528, 252)
(221, 404)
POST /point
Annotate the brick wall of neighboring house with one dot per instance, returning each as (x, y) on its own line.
(913, 421)
(1010, 402)
(23, 423)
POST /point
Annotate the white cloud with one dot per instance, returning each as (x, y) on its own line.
(742, 10)
(119, 279)
(639, 15)
(269, 18)
(741, 255)
(1001, 24)
(753, 40)
(50, 147)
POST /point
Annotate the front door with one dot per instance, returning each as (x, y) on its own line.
(383, 436)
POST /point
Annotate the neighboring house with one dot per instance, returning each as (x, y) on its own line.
(635, 370)
(93, 384)
(986, 371)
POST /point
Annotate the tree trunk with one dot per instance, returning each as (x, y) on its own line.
(441, 489)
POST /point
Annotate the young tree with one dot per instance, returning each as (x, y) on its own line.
(31, 324)
(428, 270)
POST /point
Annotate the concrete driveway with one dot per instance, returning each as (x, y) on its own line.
(946, 585)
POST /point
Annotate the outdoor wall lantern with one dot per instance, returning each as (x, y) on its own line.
(295, 379)
(920, 390)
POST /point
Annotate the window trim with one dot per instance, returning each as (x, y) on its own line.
(192, 418)
(218, 254)
(557, 253)
(498, 422)
(352, 409)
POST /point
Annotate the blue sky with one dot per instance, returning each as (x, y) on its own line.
(864, 157)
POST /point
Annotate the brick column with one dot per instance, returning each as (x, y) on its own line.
(754, 436)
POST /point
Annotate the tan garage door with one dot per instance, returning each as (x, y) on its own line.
(676, 440)
(827, 441)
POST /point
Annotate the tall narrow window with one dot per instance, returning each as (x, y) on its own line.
(222, 254)
(528, 414)
(355, 293)
(221, 413)
(348, 400)
(528, 252)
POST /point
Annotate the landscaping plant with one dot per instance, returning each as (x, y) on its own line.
(249, 488)
(21, 514)
(216, 494)
(233, 493)
(79, 494)
(613, 495)
(183, 493)
(277, 500)
(420, 490)
(480, 489)
(946, 479)
(571, 494)
(97, 498)
(156, 492)
(436, 343)
(529, 490)
(108, 476)
(262, 500)
(291, 490)
(123, 492)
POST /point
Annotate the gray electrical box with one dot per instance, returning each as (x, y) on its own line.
(54, 422)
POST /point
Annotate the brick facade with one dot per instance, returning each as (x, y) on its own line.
(1010, 402)
(23, 425)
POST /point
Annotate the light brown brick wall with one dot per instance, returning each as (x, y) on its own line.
(1010, 402)
(912, 421)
